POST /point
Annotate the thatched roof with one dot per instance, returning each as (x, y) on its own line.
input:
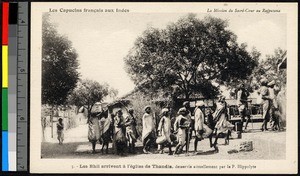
(123, 102)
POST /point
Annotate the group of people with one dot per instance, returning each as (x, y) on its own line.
(270, 107)
(203, 124)
(122, 131)
(177, 131)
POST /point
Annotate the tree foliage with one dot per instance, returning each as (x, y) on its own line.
(187, 57)
(268, 68)
(87, 93)
(59, 65)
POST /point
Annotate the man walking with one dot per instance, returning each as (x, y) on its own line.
(199, 122)
(265, 96)
(190, 128)
(242, 102)
(274, 119)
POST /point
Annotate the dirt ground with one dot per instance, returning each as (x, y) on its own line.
(267, 145)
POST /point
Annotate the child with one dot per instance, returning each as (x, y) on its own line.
(164, 130)
(60, 131)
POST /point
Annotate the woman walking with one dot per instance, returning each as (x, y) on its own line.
(94, 126)
(223, 125)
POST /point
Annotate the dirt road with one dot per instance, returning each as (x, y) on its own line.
(267, 145)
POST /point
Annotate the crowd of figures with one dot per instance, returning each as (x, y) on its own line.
(123, 133)
(202, 123)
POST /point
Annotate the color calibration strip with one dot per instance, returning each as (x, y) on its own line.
(9, 85)
(5, 18)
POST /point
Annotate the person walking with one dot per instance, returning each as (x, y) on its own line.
(223, 126)
(148, 133)
(265, 96)
(242, 103)
(191, 121)
(164, 131)
(274, 118)
(199, 122)
(181, 126)
(131, 132)
(120, 133)
(94, 126)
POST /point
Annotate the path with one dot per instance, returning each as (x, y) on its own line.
(267, 145)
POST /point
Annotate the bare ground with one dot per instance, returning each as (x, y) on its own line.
(268, 145)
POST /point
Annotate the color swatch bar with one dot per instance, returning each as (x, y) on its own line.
(5, 19)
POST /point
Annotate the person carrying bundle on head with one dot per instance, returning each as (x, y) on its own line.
(94, 125)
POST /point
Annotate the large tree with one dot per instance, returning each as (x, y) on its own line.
(189, 56)
(87, 93)
(59, 65)
(268, 68)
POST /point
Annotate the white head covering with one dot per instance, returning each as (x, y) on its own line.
(200, 103)
(182, 110)
(146, 107)
(164, 110)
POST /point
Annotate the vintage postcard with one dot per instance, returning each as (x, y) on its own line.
(163, 88)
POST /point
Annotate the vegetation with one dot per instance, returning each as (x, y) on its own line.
(188, 57)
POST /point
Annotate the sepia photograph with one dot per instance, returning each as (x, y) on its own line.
(128, 85)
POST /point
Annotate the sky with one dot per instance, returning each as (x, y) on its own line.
(103, 40)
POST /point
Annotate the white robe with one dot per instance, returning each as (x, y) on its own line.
(199, 119)
(165, 128)
(148, 125)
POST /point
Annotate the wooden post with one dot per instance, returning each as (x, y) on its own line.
(51, 119)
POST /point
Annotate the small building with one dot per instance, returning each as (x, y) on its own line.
(114, 106)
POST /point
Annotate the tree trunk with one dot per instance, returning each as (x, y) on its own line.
(43, 128)
(51, 119)
(187, 95)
